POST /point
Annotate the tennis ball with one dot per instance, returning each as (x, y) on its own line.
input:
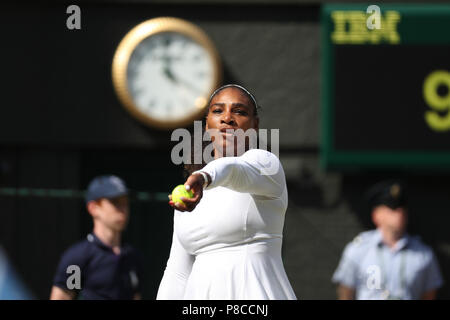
(180, 191)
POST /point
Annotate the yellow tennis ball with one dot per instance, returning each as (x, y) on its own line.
(180, 191)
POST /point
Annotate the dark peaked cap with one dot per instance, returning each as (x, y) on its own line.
(390, 193)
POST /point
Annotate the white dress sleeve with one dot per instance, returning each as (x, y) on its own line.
(177, 272)
(257, 172)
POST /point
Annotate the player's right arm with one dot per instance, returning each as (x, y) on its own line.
(60, 294)
(176, 274)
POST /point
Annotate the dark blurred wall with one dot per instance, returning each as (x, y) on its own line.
(61, 124)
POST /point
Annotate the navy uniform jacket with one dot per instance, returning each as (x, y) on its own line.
(104, 275)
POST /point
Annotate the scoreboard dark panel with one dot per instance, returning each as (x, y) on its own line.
(386, 92)
(382, 99)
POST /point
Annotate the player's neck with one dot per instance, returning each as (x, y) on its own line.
(111, 238)
(218, 153)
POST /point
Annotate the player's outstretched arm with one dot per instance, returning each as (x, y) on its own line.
(257, 172)
(195, 183)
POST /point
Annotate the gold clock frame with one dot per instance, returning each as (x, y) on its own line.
(129, 43)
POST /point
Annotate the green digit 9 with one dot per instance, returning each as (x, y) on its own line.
(438, 103)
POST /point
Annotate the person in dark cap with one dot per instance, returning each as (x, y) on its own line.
(387, 263)
(101, 267)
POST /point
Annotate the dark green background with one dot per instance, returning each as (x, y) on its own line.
(373, 105)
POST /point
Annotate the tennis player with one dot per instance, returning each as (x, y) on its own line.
(227, 239)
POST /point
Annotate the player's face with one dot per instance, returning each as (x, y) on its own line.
(394, 220)
(114, 212)
(230, 109)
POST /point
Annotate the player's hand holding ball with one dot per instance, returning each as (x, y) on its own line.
(186, 197)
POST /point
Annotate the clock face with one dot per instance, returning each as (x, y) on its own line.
(170, 76)
(164, 71)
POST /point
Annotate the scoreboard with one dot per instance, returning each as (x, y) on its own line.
(385, 86)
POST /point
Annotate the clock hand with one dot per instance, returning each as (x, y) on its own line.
(188, 85)
(168, 73)
(177, 80)
(166, 59)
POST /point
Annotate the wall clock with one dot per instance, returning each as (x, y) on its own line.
(164, 71)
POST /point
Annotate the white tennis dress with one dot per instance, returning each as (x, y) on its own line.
(229, 246)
